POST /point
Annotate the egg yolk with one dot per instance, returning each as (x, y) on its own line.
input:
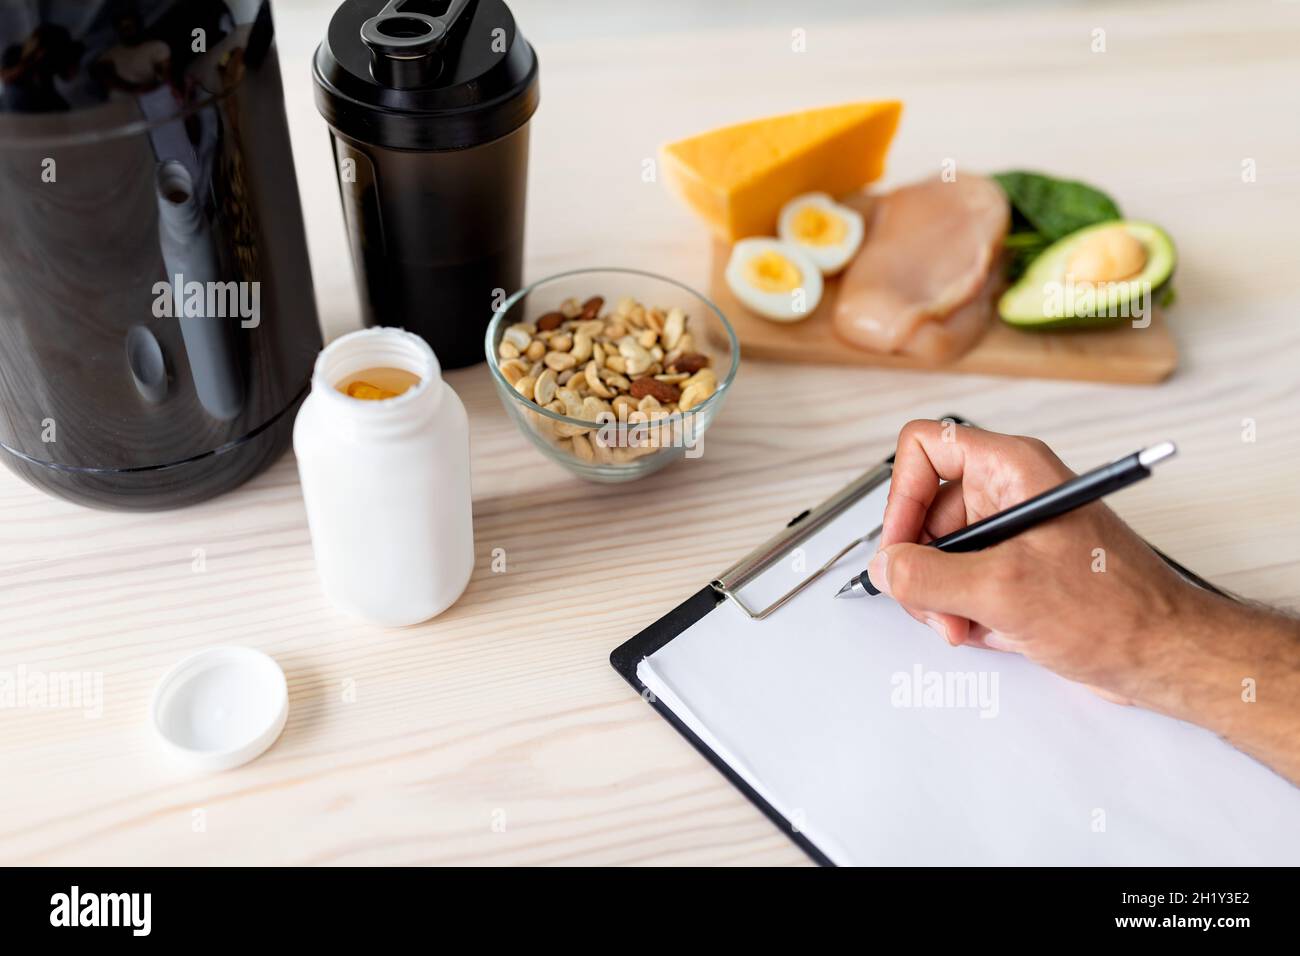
(772, 272)
(815, 226)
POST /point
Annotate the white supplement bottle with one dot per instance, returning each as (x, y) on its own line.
(383, 455)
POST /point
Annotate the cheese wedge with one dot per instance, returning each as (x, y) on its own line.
(737, 178)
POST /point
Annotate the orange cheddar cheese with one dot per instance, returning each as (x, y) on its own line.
(737, 178)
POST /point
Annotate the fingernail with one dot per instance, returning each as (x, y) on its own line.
(938, 627)
(997, 642)
(878, 571)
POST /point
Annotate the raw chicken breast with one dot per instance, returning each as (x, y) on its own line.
(932, 249)
(945, 339)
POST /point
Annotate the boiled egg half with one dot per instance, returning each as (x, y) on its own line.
(826, 232)
(774, 279)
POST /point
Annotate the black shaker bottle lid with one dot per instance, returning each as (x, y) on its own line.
(425, 74)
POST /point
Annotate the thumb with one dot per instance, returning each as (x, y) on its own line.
(922, 578)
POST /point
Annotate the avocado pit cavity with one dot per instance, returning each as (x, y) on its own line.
(1108, 255)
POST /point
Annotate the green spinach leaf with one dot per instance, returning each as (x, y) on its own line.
(1055, 207)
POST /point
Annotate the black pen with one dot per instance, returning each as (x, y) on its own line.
(1075, 493)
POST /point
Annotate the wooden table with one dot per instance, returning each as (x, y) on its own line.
(498, 733)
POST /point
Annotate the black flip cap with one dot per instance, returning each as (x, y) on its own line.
(425, 74)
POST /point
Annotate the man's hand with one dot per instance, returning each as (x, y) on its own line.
(1082, 594)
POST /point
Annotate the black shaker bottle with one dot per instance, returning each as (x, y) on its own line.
(429, 102)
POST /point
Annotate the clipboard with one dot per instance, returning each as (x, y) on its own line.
(626, 658)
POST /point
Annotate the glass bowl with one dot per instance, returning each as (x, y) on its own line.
(595, 437)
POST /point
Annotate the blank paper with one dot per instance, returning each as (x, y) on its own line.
(884, 745)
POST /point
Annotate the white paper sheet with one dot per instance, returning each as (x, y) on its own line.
(886, 746)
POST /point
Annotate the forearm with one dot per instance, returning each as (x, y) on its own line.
(1234, 669)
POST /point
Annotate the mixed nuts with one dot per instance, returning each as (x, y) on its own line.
(633, 366)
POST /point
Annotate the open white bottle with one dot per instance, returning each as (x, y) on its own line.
(386, 480)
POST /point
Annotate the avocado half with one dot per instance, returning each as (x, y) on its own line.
(1043, 298)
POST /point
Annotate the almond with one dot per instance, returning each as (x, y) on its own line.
(690, 363)
(665, 392)
(551, 320)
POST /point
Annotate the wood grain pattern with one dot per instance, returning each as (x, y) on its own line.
(498, 733)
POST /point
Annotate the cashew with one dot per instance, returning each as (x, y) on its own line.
(592, 377)
(674, 326)
(637, 359)
(559, 360)
(545, 386)
(582, 347)
(604, 454)
(704, 376)
(693, 394)
(513, 370)
(573, 409)
(517, 336)
(582, 366)
(593, 408)
(623, 405)
(582, 448)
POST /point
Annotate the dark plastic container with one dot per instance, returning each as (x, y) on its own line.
(429, 102)
(141, 140)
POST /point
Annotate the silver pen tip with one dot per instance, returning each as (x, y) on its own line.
(844, 590)
(1149, 456)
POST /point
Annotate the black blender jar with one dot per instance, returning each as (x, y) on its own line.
(157, 319)
(428, 102)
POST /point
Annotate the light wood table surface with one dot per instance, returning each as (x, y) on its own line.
(498, 733)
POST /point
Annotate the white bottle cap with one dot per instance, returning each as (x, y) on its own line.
(221, 707)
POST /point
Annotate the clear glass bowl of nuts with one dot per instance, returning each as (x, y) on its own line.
(613, 373)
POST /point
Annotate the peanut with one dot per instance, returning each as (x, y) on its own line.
(635, 363)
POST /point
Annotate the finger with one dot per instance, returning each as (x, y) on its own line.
(947, 513)
(989, 465)
(928, 453)
(990, 640)
(914, 484)
(930, 582)
(952, 628)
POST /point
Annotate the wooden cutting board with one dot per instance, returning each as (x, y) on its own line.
(1118, 354)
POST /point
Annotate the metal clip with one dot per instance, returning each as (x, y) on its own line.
(731, 581)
